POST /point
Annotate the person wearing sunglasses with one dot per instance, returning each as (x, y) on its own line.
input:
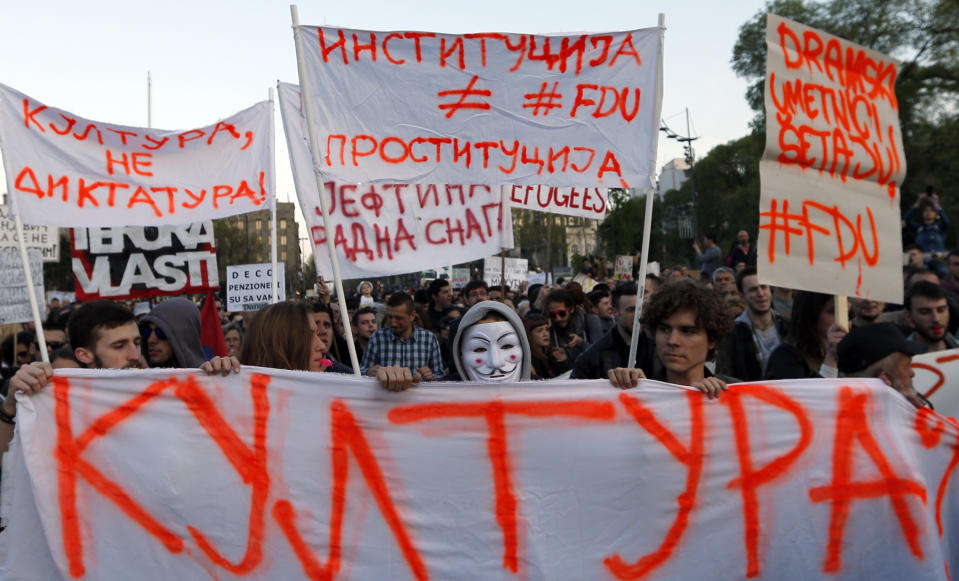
(55, 336)
(569, 323)
(171, 334)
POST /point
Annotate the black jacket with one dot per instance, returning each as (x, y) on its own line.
(738, 355)
(612, 351)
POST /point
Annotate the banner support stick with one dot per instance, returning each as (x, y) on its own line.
(31, 291)
(648, 221)
(842, 311)
(502, 270)
(314, 151)
(274, 276)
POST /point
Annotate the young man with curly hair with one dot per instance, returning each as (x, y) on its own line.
(689, 321)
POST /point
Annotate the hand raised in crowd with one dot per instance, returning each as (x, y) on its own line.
(833, 337)
(713, 387)
(625, 378)
(559, 354)
(575, 341)
(426, 374)
(221, 365)
(395, 377)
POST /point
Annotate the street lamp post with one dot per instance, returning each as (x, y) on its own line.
(687, 141)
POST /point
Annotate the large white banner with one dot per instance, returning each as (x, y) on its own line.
(392, 228)
(830, 174)
(937, 378)
(291, 475)
(64, 170)
(485, 108)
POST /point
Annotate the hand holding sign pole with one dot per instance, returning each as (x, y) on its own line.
(648, 219)
(338, 280)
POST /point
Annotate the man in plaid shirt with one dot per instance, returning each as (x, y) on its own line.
(400, 343)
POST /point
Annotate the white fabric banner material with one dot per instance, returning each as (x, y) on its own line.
(937, 378)
(485, 108)
(830, 174)
(580, 202)
(64, 170)
(291, 475)
(392, 228)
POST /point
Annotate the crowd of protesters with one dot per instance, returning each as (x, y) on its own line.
(707, 331)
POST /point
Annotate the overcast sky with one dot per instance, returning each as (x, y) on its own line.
(209, 59)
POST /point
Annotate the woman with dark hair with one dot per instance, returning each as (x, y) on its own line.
(284, 336)
(548, 360)
(810, 347)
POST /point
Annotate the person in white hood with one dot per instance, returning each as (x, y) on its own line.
(491, 344)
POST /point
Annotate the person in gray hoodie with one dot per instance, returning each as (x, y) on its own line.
(491, 345)
(171, 335)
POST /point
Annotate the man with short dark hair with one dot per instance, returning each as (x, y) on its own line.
(951, 282)
(474, 292)
(882, 351)
(927, 310)
(363, 325)
(400, 343)
(602, 302)
(757, 331)
(865, 311)
(690, 321)
(441, 297)
(710, 257)
(104, 336)
(612, 350)
(55, 336)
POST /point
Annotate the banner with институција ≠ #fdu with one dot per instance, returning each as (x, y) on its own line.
(485, 108)
(64, 170)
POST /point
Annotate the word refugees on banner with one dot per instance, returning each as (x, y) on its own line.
(392, 228)
(285, 481)
(97, 174)
(144, 261)
(829, 198)
(581, 202)
(487, 108)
